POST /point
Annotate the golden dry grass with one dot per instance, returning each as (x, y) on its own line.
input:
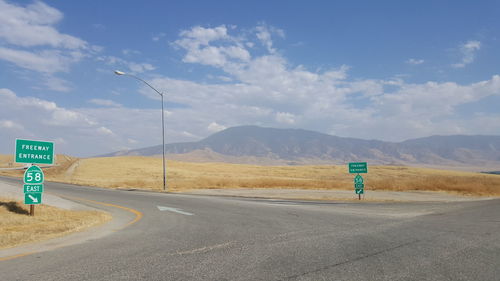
(17, 227)
(146, 172)
(7, 161)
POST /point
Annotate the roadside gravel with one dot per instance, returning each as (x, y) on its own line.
(307, 194)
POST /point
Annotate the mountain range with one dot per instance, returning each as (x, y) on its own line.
(258, 145)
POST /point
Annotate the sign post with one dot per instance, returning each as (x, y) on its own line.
(359, 183)
(33, 152)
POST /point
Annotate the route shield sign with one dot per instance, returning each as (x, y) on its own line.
(33, 175)
(32, 198)
(35, 152)
(358, 179)
(33, 188)
(358, 167)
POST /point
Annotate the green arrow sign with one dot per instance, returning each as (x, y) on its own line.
(32, 198)
(359, 191)
(358, 168)
(33, 175)
(33, 188)
(35, 152)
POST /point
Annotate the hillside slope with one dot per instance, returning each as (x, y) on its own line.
(297, 146)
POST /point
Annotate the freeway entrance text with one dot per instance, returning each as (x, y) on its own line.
(34, 152)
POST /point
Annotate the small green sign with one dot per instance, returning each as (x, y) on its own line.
(33, 175)
(33, 188)
(359, 186)
(35, 152)
(32, 198)
(358, 167)
(358, 179)
(360, 191)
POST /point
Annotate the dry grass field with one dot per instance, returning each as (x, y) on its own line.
(145, 172)
(17, 227)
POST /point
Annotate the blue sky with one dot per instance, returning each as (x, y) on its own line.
(388, 70)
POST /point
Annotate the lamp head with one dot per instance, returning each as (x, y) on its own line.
(118, 72)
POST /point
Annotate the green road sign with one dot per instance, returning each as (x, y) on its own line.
(33, 188)
(358, 179)
(359, 186)
(35, 152)
(33, 175)
(32, 198)
(360, 191)
(358, 167)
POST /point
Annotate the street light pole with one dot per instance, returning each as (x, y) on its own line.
(117, 72)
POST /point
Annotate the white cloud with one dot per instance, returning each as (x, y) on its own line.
(132, 67)
(140, 67)
(47, 61)
(198, 35)
(104, 102)
(158, 36)
(9, 124)
(285, 117)
(105, 131)
(60, 141)
(215, 127)
(42, 114)
(260, 87)
(267, 90)
(57, 84)
(412, 110)
(33, 26)
(29, 39)
(132, 141)
(220, 78)
(415, 61)
(189, 135)
(264, 34)
(468, 51)
(225, 50)
(129, 52)
(75, 129)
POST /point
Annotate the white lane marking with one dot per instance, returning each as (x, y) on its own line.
(175, 210)
(205, 249)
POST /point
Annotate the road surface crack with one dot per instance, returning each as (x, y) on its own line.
(352, 260)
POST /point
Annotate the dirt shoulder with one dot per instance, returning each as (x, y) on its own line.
(344, 195)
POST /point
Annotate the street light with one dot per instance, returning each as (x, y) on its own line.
(117, 72)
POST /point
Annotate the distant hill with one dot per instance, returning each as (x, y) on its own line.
(296, 146)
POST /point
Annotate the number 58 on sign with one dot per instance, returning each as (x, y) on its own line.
(33, 175)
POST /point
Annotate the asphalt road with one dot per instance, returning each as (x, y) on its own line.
(222, 238)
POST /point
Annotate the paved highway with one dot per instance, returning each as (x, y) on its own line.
(181, 237)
